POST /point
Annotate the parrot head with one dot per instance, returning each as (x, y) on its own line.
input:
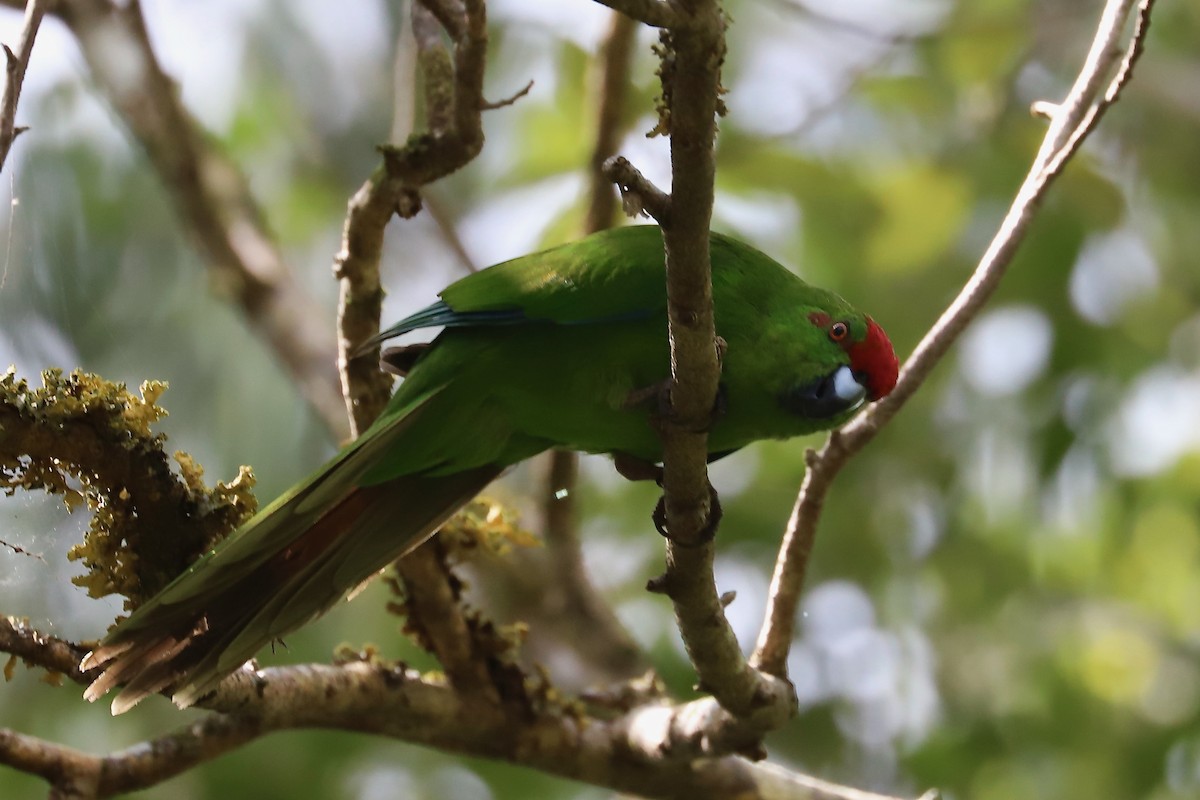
(870, 373)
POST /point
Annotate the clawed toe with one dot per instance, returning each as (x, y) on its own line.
(707, 533)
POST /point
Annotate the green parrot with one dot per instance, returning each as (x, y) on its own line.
(561, 348)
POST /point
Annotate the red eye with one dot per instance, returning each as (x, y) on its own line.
(838, 331)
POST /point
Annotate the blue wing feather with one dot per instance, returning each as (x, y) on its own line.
(614, 276)
(441, 315)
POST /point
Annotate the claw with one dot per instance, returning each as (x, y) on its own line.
(400, 360)
(632, 468)
(659, 392)
(660, 409)
(707, 533)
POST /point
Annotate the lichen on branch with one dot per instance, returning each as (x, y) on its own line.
(91, 442)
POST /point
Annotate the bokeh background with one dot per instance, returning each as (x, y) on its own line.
(1004, 599)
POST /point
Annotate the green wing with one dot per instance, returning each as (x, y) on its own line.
(612, 276)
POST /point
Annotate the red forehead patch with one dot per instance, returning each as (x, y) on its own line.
(875, 358)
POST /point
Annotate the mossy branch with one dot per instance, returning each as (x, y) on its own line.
(91, 442)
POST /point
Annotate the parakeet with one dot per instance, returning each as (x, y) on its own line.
(554, 349)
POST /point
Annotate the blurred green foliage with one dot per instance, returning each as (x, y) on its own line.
(1003, 601)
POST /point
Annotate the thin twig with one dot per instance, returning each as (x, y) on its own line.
(1072, 121)
(492, 105)
(445, 223)
(21, 551)
(616, 59)
(41, 649)
(15, 66)
(212, 197)
(837, 22)
(656, 13)
(638, 196)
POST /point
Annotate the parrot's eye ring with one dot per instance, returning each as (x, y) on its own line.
(838, 331)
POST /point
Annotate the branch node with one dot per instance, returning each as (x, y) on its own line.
(658, 585)
(639, 196)
(1045, 109)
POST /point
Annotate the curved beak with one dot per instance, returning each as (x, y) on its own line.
(828, 396)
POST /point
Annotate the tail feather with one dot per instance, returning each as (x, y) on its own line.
(403, 513)
(366, 531)
(286, 566)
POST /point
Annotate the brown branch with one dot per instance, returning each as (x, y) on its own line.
(211, 196)
(656, 13)
(454, 105)
(636, 753)
(750, 703)
(1072, 121)
(365, 388)
(70, 772)
(450, 14)
(616, 59)
(492, 105)
(15, 66)
(42, 650)
(691, 75)
(456, 124)
(436, 614)
(639, 197)
(692, 54)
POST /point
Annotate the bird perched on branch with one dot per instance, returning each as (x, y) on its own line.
(563, 348)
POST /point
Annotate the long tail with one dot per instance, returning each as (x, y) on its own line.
(286, 566)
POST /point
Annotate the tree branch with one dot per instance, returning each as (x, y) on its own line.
(15, 66)
(148, 523)
(42, 650)
(612, 91)
(1071, 122)
(634, 753)
(692, 54)
(211, 196)
(454, 106)
(656, 13)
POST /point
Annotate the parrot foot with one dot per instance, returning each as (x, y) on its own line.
(707, 533)
(722, 349)
(632, 468)
(400, 360)
(659, 395)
